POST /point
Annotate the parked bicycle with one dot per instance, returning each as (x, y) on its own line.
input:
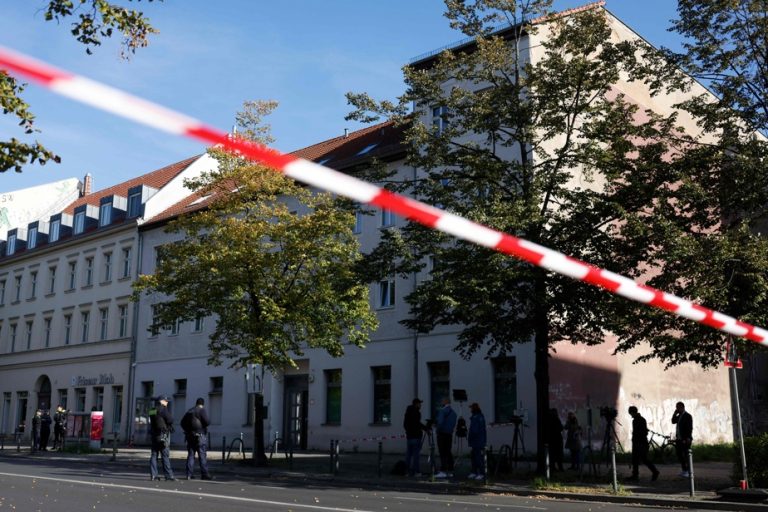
(662, 452)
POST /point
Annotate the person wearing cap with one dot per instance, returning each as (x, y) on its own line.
(414, 429)
(161, 426)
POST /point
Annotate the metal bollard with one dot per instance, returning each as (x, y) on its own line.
(546, 462)
(690, 471)
(330, 469)
(381, 454)
(114, 447)
(336, 451)
(485, 466)
(615, 482)
(223, 449)
(290, 456)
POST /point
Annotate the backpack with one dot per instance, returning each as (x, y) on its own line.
(400, 468)
(461, 427)
(190, 422)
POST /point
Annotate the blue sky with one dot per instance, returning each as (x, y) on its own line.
(210, 56)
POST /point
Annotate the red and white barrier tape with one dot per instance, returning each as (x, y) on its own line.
(142, 111)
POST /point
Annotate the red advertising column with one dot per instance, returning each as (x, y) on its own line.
(97, 428)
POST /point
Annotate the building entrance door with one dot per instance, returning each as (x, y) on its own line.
(295, 418)
(44, 393)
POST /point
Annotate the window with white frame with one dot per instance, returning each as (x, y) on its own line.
(103, 323)
(387, 218)
(134, 204)
(175, 327)
(154, 329)
(358, 227)
(105, 214)
(47, 322)
(199, 321)
(54, 230)
(33, 284)
(2, 292)
(85, 319)
(12, 337)
(123, 314)
(107, 267)
(29, 334)
(440, 118)
(89, 271)
(67, 329)
(72, 275)
(382, 394)
(10, 246)
(386, 296)
(79, 224)
(32, 238)
(127, 252)
(18, 288)
(51, 279)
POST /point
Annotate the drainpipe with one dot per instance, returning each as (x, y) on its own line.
(415, 333)
(134, 333)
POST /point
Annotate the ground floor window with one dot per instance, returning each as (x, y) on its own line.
(505, 388)
(117, 408)
(382, 394)
(439, 385)
(333, 397)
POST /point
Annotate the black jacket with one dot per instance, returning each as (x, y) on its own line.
(639, 430)
(412, 423)
(684, 424)
(195, 421)
(161, 421)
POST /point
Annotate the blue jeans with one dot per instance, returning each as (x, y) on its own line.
(165, 455)
(412, 455)
(478, 466)
(198, 447)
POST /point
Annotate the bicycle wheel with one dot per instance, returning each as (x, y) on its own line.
(668, 454)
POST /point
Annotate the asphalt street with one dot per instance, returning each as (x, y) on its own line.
(34, 485)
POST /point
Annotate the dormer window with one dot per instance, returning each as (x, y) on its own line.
(105, 214)
(10, 248)
(79, 225)
(134, 204)
(32, 238)
(55, 230)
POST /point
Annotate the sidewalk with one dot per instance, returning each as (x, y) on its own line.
(362, 470)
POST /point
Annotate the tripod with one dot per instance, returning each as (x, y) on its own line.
(428, 434)
(517, 442)
(611, 438)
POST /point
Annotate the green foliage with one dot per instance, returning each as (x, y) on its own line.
(272, 260)
(756, 449)
(96, 20)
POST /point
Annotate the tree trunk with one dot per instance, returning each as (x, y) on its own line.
(541, 372)
(259, 457)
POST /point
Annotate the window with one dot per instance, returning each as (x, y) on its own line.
(386, 293)
(439, 385)
(105, 214)
(126, 264)
(13, 337)
(148, 388)
(123, 314)
(333, 397)
(103, 324)
(85, 318)
(32, 284)
(134, 204)
(98, 398)
(32, 238)
(107, 267)
(18, 288)
(199, 320)
(504, 388)
(175, 327)
(67, 329)
(63, 397)
(89, 271)
(51, 279)
(387, 218)
(80, 399)
(11, 245)
(117, 407)
(47, 333)
(180, 387)
(215, 399)
(2, 292)
(79, 225)
(29, 334)
(358, 227)
(382, 394)
(154, 329)
(440, 119)
(54, 230)
(72, 274)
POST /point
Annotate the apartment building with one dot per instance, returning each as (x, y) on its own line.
(66, 319)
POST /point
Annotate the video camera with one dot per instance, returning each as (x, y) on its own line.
(429, 423)
(516, 420)
(609, 413)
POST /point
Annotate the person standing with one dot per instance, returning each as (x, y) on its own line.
(195, 424)
(640, 446)
(45, 430)
(37, 422)
(59, 427)
(161, 426)
(555, 440)
(476, 438)
(444, 424)
(414, 430)
(573, 440)
(683, 422)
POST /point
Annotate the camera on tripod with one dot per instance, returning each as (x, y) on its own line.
(429, 423)
(609, 413)
(516, 420)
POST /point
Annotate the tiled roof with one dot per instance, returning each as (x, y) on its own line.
(338, 153)
(154, 179)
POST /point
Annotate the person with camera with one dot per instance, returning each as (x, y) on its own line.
(444, 424)
(161, 426)
(59, 427)
(683, 422)
(414, 429)
(640, 446)
(195, 424)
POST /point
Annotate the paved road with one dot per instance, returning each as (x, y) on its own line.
(31, 485)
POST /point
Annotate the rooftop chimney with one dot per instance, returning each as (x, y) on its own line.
(346, 132)
(87, 185)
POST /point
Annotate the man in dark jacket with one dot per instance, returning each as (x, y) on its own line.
(45, 430)
(683, 436)
(414, 429)
(445, 425)
(37, 421)
(195, 424)
(59, 427)
(161, 426)
(640, 446)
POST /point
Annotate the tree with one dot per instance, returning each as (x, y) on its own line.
(96, 20)
(548, 149)
(274, 262)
